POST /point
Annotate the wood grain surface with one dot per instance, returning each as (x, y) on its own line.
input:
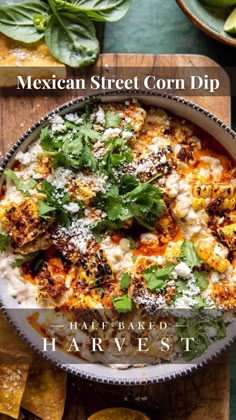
(204, 395)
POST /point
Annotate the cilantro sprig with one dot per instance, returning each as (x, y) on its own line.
(131, 199)
(23, 187)
(197, 328)
(53, 202)
(189, 254)
(74, 148)
(117, 153)
(156, 277)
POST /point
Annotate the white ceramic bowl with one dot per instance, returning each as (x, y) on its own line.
(101, 373)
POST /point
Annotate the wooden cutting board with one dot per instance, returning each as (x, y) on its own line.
(202, 395)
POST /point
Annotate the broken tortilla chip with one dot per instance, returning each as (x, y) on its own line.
(10, 341)
(45, 391)
(12, 385)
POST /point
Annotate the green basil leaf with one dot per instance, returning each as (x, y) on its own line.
(72, 39)
(4, 242)
(16, 20)
(125, 281)
(99, 10)
(122, 304)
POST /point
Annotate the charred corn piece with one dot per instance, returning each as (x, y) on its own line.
(81, 191)
(207, 255)
(199, 203)
(23, 223)
(94, 270)
(214, 206)
(173, 251)
(224, 295)
(229, 204)
(227, 235)
(214, 191)
(202, 191)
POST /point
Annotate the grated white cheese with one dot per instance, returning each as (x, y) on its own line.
(57, 124)
(100, 116)
(111, 133)
(182, 270)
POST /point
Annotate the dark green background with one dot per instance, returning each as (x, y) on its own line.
(160, 27)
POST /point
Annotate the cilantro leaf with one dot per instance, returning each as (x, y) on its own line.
(125, 281)
(132, 199)
(4, 242)
(200, 302)
(201, 279)
(112, 120)
(23, 187)
(189, 254)
(122, 304)
(35, 258)
(54, 201)
(156, 277)
(197, 327)
(128, 127)
(49, 141)
(44, 208)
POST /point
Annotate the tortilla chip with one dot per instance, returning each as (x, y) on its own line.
(45, 391)
(12, 385)
(5, 417)
(10, 341)
(118, 413)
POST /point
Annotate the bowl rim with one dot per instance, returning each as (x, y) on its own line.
(225, 39)
(6, 311)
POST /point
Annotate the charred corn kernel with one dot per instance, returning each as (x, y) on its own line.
(199, 203)
(2, 213)
(173, 251)
(227, 235)
(202, 191)
(214, 191)
(218, 263)
(205, 252)
(222, 191)
(95, 270)
(228, 204)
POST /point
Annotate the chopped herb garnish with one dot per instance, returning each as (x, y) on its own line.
(112, 120)
(201, 279)
(23, 187)
(197, 328)
(189, 254)
(122, 304)
(156, 277)
(125, 281)
(128, 127)
(132, 199)
(4, 242)
(54, 201)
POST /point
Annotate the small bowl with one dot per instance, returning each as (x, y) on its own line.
(210, 20)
